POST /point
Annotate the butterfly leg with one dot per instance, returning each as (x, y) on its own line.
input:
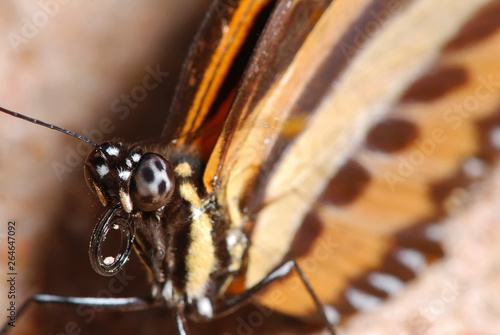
(228, 306)
(180, 320)
(118, 304)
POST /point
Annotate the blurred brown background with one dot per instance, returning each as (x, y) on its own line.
(66, 62)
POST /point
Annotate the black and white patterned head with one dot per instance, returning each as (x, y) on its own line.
(128, 182)
(123, 176)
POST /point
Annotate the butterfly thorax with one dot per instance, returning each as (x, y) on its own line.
(178, 234)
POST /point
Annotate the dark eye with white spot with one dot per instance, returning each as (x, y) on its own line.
(152, 183)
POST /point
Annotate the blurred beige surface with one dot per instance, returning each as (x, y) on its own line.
(69, 71)
(66, 62)
(459, 295)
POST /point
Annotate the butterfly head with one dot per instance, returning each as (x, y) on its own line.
(128, 182)
(124, 176)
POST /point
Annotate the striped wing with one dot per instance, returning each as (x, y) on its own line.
(205, 88)
(353, 125)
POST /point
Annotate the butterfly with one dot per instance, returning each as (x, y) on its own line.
(352, 177)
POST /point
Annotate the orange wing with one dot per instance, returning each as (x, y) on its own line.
(211, 71)
(354, 124)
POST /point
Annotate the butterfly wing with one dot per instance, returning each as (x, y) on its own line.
(345, 154)
(206, 84)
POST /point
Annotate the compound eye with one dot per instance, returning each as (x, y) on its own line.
(152, 183)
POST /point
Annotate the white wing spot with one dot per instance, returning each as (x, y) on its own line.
(128, 162)
(332, 314)
(102, 170)
(495, 137)
(385, 282)
(112, 151)
(474, 168)
(412, 259)
(434, 233)
(360, 300)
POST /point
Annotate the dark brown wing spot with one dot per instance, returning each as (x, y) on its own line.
(435, 84)
(482, 25)
(416, 237)
(348, 184)
(391, 135)
(308, 234)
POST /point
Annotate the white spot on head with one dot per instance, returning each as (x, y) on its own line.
(205, 307)
(332, 314)
(360, 300)
(385, 282)
(434, 233)
(112, 151)
(124, 175)
(136, 157)
(102, 170)
(412, 259)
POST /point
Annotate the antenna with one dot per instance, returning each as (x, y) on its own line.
(48, 125)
